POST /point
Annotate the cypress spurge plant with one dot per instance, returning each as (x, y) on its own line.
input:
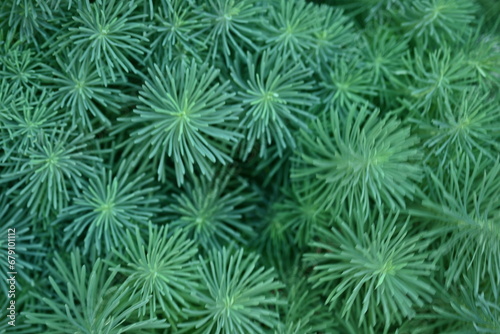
(43, 177)
(304, 311)
(474, 310)
(357, 160)
(346, 83)
(291, 28)
(463, 210)
(382, 55)
(483, 55)
(27, 118)
(20, 66)
(213, 213)
(466, 124)
(78, 87)
(25, 240)
(300, 214)
(438, 20)
(274, 95)
(177, 26)
(380, 265)
(333, 35)
(187, 115)
(236, 295)
(28, 20)
(109, 205)
(161, 266)
(233, 26)
(108, 34)
(435, 76)
(192, 155)
(87, 300)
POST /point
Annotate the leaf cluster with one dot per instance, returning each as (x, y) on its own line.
(274, 167)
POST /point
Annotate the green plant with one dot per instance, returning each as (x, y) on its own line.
(383, 55)
(163, 268)
(439, 20)
(437, 75)
(25, 243)
(20, 67)
(274, 98)
(212, 213)
(231, 25)
(108, 34)
(111, 204)
(27, 118)
(358, 160)
(88, 302)
(28, 19)
(346, 83)
(236, 295)
(177, 27)
(466, 124)
(78, 87)
(473, 310)
(251, 166)
(43, 176)
(384, 266)
(304, 311)
(300, 214)
(186, 114)
(333, 35)
(463, 208)
(291, 28)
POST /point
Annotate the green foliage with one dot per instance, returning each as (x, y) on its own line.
(88, 302)
(20, 67)
(109, 206)
(231, 24)
(304, 311)
(300, 214)
(460, 309)
(273, 97)
(25, 241)
(43, 177)
(464, 203)
(212, 213)
(28, 20)
(346, 83)
(333, 34)
(438, 20)
(192, 155)
(369, 11)
(383, 56)
(292, 27)
(384, 266)
(473, 310)
(186, 114)
(236, 295)
(26, 119)
(360, 159)
(162, 267)
(78, 87)
(108, 34)
(177, 28)
(273, 239)
(483, 56)
(467, 124)
(437, 75)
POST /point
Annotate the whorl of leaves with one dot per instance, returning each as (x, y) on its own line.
(357, 160)
(186, 115)
(237, 295)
